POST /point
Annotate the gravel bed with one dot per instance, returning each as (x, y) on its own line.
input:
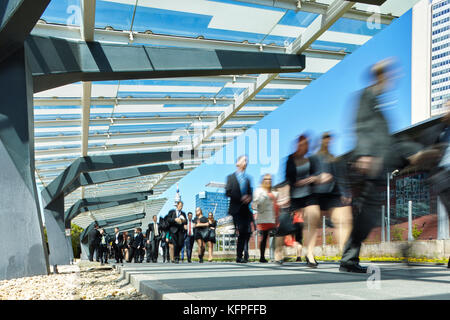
(82, 281)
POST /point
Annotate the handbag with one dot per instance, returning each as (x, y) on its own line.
(211, 234)
(286, 225)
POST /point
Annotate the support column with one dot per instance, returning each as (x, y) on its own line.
(60, 246)
(19, 210)
(443, 221)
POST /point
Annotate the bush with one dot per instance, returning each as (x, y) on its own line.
(416, 232)
(329, 239)
(75, 236)
(397, 234)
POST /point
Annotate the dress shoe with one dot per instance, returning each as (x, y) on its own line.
(311, 264)
(263, 260)
(244, 260)
(356, 268)
(299, 259)
(239, 260)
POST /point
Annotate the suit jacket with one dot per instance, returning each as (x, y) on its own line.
(238, 210)
(137, 241)
(371, 127)
(120, 238)
(150, 233)
(374, 138)
(173, 226)
(94, 237)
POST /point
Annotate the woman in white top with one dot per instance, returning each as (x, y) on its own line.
(266, 211)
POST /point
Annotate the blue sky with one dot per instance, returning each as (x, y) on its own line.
(326, 105)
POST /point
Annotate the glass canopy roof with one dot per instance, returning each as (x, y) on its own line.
(157, 114)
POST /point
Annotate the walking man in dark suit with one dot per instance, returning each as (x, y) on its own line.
(137, 243)
(153, 239)
(239, 190)
(94, 239)
(376, 154)
(118, 245)
(177, 219)
(189, 240)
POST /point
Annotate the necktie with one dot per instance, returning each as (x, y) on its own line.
(189, 228)
(242, 183)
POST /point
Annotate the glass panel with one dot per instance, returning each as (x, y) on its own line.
(115, 15)
(66, 12)
(222, 20)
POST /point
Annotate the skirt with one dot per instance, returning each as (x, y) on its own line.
(201, 233)
(300, 203)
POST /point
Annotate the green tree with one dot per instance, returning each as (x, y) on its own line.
(75, 235)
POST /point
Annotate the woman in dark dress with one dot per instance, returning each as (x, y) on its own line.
(303, 173)
(335, 196)
(211, 235)
(201, 226)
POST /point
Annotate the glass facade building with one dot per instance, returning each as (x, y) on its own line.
(210, 201)
(440, 54)
(412, 187)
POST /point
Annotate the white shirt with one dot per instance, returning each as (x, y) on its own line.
(155, 229)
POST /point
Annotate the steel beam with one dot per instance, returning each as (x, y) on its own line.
(56, 62)
(17, 19)
(98, 203)
(320, 25)
(111, 223)
(149, 101)
(321, 8)
(314, 31)
(123, 228)
(68, 180)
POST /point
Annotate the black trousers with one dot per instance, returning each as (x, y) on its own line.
(166, 253)
(103, 253)
(178, 243)
(134, 253)
(367, 212)
(118, 253)
(155, 248)
(94, 248)
(242, 242)
(148, 255)
(189, 245)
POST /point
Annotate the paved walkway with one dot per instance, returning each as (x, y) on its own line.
(291, 281)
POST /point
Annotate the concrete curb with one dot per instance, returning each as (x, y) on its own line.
(153, 288)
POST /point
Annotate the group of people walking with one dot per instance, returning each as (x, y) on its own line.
(175, 234)
(348, 189)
